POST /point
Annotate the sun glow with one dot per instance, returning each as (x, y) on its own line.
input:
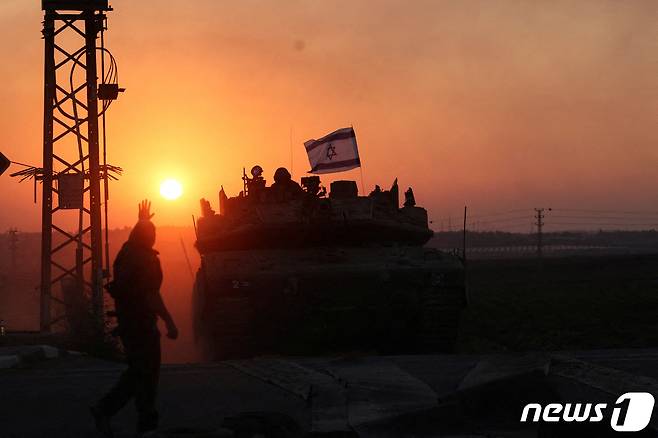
(171, 189)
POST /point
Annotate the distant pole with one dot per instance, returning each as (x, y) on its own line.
(13, 246)
(539, 216)
(464, 236)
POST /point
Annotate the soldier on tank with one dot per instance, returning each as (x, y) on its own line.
(136, 292)
(284, 188)
(409, 198)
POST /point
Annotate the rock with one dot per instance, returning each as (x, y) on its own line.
(9, 361)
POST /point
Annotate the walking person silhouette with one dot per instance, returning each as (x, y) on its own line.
(138, 303)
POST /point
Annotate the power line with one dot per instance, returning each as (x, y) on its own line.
(583, 219)
(506, 219)
(654, 224)
(603, 217)
(608, 211)
(499, 213)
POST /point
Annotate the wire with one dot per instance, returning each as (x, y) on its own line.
(21, 164)
(654, 224)
(109, 77)
(499, 213)
(511, 219)
(601, 217)
(607, 211)
(106, 188)
(460, 215)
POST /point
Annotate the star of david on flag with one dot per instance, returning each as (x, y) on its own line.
(335, 152)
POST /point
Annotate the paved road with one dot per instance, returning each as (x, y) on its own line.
(51, 398)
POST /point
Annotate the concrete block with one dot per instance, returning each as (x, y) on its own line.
(9, 361)
(49, 352)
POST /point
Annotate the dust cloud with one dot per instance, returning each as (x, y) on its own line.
(19, 280)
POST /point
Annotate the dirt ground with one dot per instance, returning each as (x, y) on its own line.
(561, 304)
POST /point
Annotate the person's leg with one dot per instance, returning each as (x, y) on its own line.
(126, 387)
(147, 385)
(117, 397)
(121, 392)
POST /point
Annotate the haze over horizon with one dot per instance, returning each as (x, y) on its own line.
(498, 105)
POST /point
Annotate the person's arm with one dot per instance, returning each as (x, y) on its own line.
(161, 310)
(158, 305)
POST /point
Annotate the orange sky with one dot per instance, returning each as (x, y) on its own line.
(497, 104)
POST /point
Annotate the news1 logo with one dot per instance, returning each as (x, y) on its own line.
(630, 413)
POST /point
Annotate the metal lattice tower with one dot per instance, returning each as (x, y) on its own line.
(72, 167)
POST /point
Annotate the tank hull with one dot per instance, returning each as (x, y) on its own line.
(401, 299)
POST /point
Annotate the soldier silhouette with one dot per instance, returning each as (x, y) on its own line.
(284, 188)
(136, 292)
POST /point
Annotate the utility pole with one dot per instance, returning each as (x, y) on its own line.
(13, 247)
(539, 216)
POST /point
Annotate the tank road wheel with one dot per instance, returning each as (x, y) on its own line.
(232, 332)
(441, 305)
(222, 324)
(399, 322)
(200, 317)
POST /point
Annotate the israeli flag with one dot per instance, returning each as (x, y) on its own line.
(335, 152)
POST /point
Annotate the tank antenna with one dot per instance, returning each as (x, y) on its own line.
(187, 259)
(291, 162)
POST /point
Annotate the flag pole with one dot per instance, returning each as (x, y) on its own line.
(363, 187)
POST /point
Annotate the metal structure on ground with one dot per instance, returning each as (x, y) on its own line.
(74, 164)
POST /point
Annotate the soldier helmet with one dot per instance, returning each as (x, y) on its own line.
(281, 175)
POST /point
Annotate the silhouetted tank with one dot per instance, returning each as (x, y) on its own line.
(288, 270)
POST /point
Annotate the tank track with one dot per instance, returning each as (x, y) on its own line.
(440, 310)
(231, 329)
(422, 319)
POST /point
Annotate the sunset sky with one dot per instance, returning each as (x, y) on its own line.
(496, 104)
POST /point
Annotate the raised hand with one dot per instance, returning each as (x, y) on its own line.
(144, 210)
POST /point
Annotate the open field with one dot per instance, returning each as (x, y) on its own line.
(561, 304)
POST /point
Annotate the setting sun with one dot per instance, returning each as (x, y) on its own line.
(171, 189)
